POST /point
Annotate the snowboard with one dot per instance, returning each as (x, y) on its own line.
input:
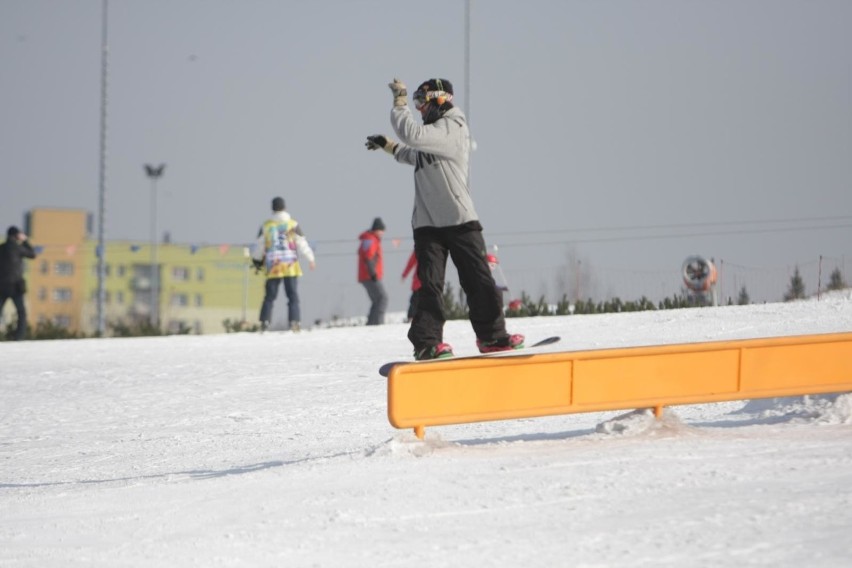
(385, 369)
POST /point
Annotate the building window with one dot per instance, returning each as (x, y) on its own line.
(119, 297)
(62, 321)
(180, 273)
(179, 300)
(199, 274)
(63, 268)
(199, 300)
(62, 295)
(122, 270)
(42, 294)
(94, 297)
(95, 269)
(44, 267)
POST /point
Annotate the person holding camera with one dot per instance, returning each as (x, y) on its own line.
(12, 284)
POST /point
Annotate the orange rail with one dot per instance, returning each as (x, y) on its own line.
(520, 385)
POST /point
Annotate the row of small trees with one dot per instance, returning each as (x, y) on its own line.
(49, 330)
(796, 291)
(456, 306)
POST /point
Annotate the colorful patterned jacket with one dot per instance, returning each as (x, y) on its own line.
(279, 245)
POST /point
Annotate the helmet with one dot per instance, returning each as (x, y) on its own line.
(437, 91)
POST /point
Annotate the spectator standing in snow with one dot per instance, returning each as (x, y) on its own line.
(12, 284)
(411, 268)
(280, 243)
(371, 271)
(445, 222)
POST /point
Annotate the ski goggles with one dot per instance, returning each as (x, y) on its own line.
(422, 98)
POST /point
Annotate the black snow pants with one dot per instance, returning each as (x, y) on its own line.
(465, 245)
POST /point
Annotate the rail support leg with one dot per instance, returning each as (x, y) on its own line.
(419, 431)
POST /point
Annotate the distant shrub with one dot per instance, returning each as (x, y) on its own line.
(237, 326)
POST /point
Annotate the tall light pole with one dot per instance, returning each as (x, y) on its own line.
(467, 59)
(102, 168)
(247, 254)
(467, 7)
(154, 173)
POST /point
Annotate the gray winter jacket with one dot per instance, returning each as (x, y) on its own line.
(439, 153)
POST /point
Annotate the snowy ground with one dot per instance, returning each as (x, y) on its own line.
(275, 450)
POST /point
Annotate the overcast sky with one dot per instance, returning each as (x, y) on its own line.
(624, 135)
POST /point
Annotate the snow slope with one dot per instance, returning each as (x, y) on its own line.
(275, 450)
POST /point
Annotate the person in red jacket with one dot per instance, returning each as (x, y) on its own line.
(410, 267)
(371, 271)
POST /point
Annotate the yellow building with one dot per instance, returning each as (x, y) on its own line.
(199, 286)
(55, 279)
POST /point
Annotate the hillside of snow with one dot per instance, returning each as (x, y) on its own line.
(275, 450)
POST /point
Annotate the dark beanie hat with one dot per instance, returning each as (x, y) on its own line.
(278, 204)
(12, 232)
(378, 224)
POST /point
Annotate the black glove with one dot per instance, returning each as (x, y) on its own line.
(377, 141)
(258, 264)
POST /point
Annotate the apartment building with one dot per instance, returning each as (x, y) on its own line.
(197, 288)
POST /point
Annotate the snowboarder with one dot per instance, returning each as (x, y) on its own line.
(444, 220)
(280, 242)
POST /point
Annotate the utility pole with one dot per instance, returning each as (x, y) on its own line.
(467, 6)
(247, 255)
(467, 59)
(101, 250)
(154, 174)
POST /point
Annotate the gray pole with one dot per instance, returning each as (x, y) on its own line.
(154, 173)
(155, 269)
(245, 291)
(467, 59)
(467, 79)
(101, 250)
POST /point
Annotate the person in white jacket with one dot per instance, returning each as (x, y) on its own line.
(444, 220)
(280, 243)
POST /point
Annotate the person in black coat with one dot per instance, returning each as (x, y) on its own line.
(12, 283)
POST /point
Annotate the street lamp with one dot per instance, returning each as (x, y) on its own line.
(154, 173)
